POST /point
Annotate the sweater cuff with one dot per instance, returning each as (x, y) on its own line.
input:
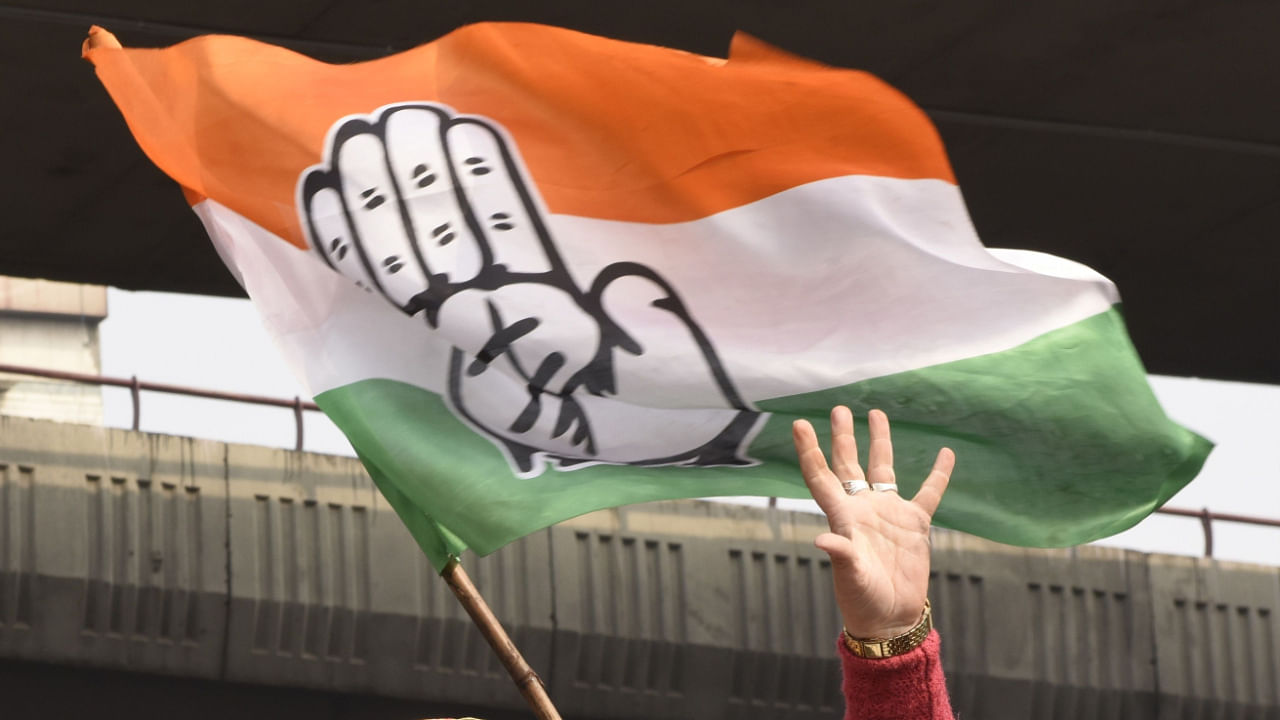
(909, 686)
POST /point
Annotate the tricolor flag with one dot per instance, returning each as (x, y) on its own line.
(533, 273)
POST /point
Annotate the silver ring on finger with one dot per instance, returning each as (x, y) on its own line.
(853, 487)
(884, 487)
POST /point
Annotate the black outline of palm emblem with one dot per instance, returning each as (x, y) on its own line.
(596, 377)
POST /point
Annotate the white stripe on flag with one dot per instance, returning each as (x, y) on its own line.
(820, 286)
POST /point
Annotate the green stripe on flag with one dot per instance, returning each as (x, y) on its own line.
(1059, 441)
(436, 541)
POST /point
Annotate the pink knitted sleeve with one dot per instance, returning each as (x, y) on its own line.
(907, 687)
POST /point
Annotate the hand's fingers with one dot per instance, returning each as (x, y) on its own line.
(372, 201)
(880, 452)
(844, 449)
(822, 483)
(502, 202)
(327, 225)
(414, 136)
(935, 485)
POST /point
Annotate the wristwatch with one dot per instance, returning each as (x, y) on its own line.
(877, 648)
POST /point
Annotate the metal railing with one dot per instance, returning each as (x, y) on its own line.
(136, 386)
(1207, 517)
(297, 404)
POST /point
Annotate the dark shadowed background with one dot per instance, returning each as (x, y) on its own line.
(1142, 139)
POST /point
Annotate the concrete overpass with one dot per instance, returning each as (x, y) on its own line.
(149, 575)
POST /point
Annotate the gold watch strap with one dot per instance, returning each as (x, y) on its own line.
(877, 648)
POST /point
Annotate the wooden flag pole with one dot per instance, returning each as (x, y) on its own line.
(530, 685)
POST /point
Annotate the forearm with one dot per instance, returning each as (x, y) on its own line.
(906, 687)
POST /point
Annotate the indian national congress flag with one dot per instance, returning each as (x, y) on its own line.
(533, 273)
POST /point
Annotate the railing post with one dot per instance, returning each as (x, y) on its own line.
(1206, 520)
(135, 392)
(297, 418)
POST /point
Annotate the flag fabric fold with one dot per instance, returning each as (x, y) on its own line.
(533, 273)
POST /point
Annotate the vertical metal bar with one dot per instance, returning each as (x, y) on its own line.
(297, 419)
(1206, 521)
(135, 392)
(773, 502)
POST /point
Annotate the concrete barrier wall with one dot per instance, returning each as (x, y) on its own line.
(112, 548)
(1218, 643)
(658, 603)
(328, 590)
(130, 551)
(1027, 633)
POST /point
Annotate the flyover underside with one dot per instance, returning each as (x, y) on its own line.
(262, 569)
(1133, 137)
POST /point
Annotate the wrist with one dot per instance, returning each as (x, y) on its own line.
(892, 640)
(903, 619)
(870, 632)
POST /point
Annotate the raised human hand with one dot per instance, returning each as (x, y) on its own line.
(879, 541)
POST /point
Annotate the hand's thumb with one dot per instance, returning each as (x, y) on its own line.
(840, 549)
